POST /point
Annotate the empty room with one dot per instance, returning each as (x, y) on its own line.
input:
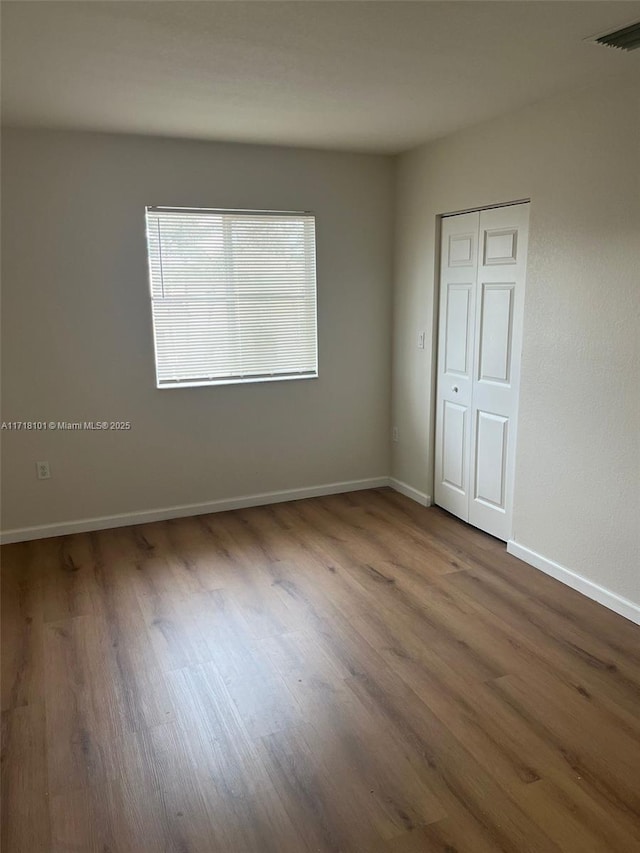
(320, 511)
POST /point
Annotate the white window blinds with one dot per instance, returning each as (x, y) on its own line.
(233, 295)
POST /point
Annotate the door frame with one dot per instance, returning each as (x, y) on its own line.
(435, 332)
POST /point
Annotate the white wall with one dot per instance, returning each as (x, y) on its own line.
(577, 499)
(77, 336)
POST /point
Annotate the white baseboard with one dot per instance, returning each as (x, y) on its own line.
(85, 525)
(410, 492)
(592, 590)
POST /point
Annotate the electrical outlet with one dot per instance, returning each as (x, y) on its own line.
(43, 472)
(422, 336)
(394, 434)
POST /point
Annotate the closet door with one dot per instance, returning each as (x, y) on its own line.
(458, 277)
(502, 255)
(482, 277)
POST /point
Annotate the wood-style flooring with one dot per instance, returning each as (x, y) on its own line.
(352, 673)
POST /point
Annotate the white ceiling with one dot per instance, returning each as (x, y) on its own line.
(368, 76)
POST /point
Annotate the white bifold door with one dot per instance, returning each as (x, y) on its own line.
(482, 276)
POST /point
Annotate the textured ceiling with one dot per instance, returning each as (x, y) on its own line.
(368, 76)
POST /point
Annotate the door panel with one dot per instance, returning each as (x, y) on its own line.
(500, 244)
(496, 327)
(491, 458)
(494, 409)
(462, 250)
(457, 329)
(458, 274)
(454, 456)
(482, 277)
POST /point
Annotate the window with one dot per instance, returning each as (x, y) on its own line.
(233, 295)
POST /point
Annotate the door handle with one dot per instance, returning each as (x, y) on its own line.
(455, 389)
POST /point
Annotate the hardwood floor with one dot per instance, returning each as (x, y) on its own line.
(350, 673)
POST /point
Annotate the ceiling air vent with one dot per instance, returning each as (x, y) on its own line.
(627, 38)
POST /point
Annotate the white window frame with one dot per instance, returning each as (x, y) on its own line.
(240, 378)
